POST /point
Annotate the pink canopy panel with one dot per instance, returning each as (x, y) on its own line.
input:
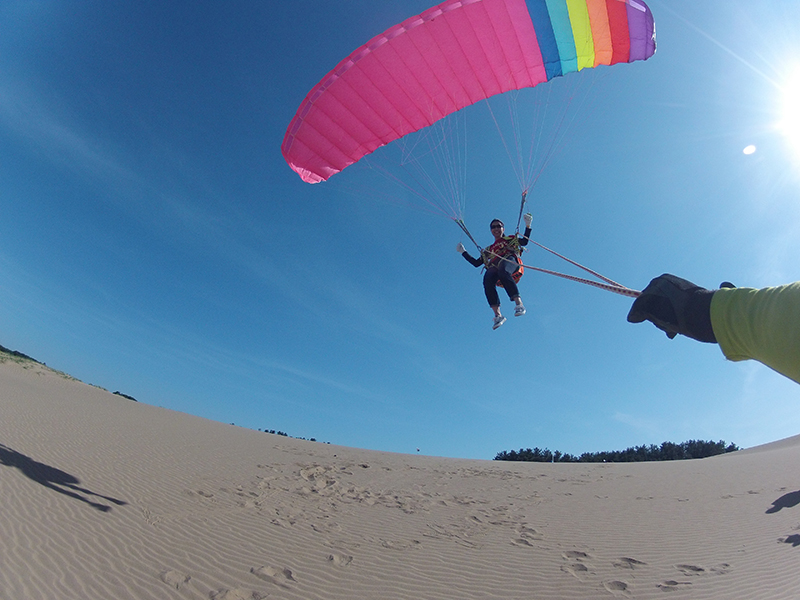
(449, 57)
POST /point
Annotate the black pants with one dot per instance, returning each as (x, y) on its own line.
(501, 273)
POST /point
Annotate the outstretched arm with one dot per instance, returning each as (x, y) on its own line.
(759, 324)
(762, 324)
(475, 262)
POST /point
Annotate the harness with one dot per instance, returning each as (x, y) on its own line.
(503, 250)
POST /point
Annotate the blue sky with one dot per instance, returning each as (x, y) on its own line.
(154, 241)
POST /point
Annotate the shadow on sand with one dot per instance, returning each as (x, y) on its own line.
(786, 501)
(52, 478)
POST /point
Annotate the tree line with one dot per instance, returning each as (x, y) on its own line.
(652, 452)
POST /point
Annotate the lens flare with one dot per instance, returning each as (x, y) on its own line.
(790, 121)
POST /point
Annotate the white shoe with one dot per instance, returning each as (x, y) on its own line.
(519, 311)
(498, 321)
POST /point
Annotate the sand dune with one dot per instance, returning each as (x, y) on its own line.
(105, 498)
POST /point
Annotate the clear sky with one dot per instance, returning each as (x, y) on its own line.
(154, 241)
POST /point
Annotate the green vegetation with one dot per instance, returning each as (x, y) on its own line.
(15, 356)
(666, 451)
(28, 362)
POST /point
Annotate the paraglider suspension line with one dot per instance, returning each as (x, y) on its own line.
(604, 284)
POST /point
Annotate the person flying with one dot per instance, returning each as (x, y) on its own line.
(503, 267)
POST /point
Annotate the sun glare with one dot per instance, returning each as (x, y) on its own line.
(790, 121)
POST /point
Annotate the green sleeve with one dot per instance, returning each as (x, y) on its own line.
(762, 324)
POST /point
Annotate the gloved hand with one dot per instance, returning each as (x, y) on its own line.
(675, 306)
(528, 218)
(460, 248)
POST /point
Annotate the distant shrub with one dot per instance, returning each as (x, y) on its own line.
(284, 434)
(19, 355)
(666, 451)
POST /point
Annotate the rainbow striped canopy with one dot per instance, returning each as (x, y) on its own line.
(449, 57)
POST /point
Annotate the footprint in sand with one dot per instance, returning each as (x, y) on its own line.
(616, 587)
(721, 569)
(326, 528)
(317, 474)
(340, 560)
(279, 577)
(526, 536)
(577, 570)
(236, 594)
(628, 563)
(671, 585)
(690, 570)
(174, 578)
(399, 544)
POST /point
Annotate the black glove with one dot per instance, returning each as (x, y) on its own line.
(675, 306)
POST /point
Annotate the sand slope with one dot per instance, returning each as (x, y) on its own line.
(105, 498)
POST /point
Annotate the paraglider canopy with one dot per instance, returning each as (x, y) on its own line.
(449, 57)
